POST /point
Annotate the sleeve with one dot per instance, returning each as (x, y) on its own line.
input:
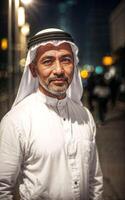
(95, 175)
(10, 158)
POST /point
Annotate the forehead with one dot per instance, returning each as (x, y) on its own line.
(48, 47)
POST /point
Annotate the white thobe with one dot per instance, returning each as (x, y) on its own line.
(51, 143)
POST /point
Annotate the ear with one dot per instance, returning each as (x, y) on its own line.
(33, 69)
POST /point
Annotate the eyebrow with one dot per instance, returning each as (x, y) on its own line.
(47, 57)
(62, 56)
(67, 55)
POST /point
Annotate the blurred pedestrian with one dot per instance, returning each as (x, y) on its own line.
(90, 90)
(114, 85)
(48, 136)
(121, 96)
(102, 93)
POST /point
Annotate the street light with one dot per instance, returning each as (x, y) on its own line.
(26, 2)
(14, 53)
(9, 70)
(16, 13)
(25, 29)
(21, 16)
(16, 35)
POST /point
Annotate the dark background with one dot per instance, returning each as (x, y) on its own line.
(86, 20)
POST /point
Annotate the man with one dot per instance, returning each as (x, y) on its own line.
(48, 136)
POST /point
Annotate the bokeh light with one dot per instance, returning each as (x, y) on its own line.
(99, 70)
(89, 68)
(107, 60)
(4, 44)
(84, 74)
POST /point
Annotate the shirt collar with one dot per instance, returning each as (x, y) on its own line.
(50, 100)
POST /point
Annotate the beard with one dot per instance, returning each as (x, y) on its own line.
(56, 90)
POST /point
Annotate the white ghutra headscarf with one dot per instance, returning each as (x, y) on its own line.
(29, 84)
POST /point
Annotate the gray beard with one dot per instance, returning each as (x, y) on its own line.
(58, 94)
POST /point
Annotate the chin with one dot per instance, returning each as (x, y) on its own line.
(57, 93)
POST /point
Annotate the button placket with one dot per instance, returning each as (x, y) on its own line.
(71, 150)
(64, 117)
(73, 163)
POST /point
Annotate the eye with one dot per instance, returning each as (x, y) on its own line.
(46, 62)
(66, 60)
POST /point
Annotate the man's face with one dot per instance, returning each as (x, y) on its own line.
(54, 66)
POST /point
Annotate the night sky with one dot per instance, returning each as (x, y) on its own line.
(70, 15)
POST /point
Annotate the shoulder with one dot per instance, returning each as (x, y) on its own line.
(26, 102)
(16, 123)
(19, 113)
(25, 106)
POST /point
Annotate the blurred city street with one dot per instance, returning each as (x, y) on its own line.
(111, 146)
(110, 140)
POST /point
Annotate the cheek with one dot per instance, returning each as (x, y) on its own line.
(43, 72)
(69, 71)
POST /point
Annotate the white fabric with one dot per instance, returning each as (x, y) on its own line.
(29, 83)
(53, 142)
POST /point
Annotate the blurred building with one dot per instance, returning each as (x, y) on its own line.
(117, 26)
(96, 36)
(13, 37)
(96, 43)
(117, 35)
(3, 35)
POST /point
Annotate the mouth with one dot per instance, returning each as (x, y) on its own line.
(59, 81)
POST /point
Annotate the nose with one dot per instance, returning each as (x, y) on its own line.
(58, 69)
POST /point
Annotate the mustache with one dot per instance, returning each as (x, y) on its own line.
(57, 77)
